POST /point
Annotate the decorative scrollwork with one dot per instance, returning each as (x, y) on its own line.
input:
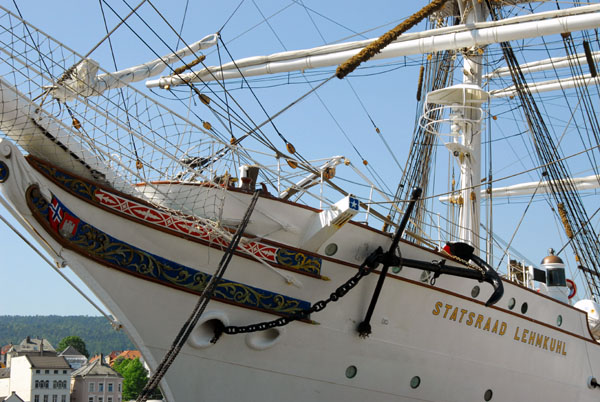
(92, 242)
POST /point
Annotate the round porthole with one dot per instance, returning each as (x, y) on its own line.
(524, 307)
(415, 382)
(396, 269)
(488, 395)
(351, 371)
(3, 172)
(425, 275)
(331, 249)
(559, 320)
(511, 303)
(475, 291)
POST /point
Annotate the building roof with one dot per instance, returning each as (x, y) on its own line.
(30, 344)
(5, 348)
(5, 372)
(130, 354)
(12, 398)
(70, 351)
(95, 368)
(48, 362)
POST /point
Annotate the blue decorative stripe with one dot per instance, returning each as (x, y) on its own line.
(3, 172)
(100, 246)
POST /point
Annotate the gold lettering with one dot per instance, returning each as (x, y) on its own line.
(524, 336)
(516, 337)
(495, 329)
(558, 346)
(470, 319)
(531, 338)
(538, 340)
(479, 321)
(502, 328)
(552, 344)
(486, 327)
(463, 312)
(448, 307)
(545, 347)
(436, 310)
(453, 315)
(564, 350)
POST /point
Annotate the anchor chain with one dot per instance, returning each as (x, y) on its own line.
(371, 262)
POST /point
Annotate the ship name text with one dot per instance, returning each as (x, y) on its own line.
(495, 326)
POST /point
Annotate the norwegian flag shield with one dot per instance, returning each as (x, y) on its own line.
(55, 214)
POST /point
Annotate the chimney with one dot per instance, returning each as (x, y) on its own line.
(42, 347)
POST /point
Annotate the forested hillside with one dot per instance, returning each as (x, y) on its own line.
(97, 333)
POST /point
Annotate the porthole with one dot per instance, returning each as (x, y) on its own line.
(351, 371)
(396, 269)
(559, 320)
(524, 307)
(488, 395)
(511, 303)
(425, 275)
(331, 249)
(475, 291)
(415, 382)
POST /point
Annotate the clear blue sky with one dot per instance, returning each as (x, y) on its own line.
(30, 287)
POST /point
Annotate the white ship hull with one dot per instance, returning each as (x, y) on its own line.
(458, 348)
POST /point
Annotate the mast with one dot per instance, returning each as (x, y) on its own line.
(470, 137)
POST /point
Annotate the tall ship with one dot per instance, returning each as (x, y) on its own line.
(248, 257)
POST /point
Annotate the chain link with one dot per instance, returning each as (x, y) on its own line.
(365, 269)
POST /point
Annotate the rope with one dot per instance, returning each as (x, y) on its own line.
(376, 46)
(205, 297)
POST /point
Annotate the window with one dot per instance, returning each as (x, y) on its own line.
(101, 387)
(36, 398)
(54, 398)
(119, 387)
(64, 371)
(91, 399)
(46, 385)
(46, 371)
(37, 384)
(45, 398)
(63, 398)
(91, 389)
(55, 371)
(100, 399)
(110, 387)
(109, 399)
(37, 371)
(54, 385)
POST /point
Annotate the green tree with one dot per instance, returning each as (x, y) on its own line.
(135, 377)
(74, 341)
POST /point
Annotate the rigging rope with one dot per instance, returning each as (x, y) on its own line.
(585, 246)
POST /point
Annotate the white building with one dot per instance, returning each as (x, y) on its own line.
(40, 378)
(73, 357)
(96, 382)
